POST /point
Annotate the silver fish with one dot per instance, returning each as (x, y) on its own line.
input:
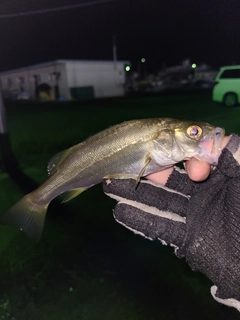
(132, 149)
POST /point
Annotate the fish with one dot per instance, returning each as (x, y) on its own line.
(131, 149)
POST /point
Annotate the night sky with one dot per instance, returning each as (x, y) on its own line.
(162, 31)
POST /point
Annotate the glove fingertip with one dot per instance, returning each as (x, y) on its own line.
(118, 186)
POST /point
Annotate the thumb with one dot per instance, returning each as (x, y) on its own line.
(197, 170)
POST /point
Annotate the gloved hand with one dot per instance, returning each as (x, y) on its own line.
(200, 219)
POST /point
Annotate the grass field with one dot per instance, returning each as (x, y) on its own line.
(86, 266)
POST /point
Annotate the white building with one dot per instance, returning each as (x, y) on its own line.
(66, 79)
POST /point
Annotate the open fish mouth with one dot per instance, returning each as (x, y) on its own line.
(211, 146)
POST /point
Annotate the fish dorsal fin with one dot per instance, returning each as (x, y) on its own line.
(56, 160)
(69, 195)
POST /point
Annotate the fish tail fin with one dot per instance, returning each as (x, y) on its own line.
(28, 215)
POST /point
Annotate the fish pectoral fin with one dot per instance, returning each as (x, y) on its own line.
(147, 161)
(69, 195)
(120, 176)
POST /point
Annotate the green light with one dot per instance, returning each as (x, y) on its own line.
(127, 68)
(143, 60)
(194, 65)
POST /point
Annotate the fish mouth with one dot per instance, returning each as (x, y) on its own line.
(211, 146)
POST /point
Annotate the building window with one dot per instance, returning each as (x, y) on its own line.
(9, 83)
(36, 78)
(55, 76)
(20, 81)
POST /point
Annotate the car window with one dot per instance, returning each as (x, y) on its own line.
(233, 73)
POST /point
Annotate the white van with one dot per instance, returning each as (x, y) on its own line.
(227, 87)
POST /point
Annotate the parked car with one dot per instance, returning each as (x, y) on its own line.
(227, 86)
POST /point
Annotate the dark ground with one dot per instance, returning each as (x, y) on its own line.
(86, 266)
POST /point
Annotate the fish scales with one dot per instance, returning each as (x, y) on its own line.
(105, 145)
(132, 149)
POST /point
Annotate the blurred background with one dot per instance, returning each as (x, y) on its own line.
(68, 69)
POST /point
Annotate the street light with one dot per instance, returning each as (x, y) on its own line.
(141, 67)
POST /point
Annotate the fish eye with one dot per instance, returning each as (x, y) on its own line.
(194, 131)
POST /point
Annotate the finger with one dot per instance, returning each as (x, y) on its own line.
(179, 182)
(160, 177)
(151, 223)
(197, 170)
(146, 193)
(229, 160)
(200, 170)
(225, 141)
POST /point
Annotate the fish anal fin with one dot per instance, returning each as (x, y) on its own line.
(69, 195)
(27, 215)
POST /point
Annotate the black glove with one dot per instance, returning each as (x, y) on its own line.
(200, 219)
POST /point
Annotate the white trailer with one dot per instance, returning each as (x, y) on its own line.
(66, 80)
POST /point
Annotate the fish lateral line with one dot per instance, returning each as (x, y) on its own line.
(137, 147)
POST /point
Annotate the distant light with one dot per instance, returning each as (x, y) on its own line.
(143, 60)
(194, 65)
(127, 68)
